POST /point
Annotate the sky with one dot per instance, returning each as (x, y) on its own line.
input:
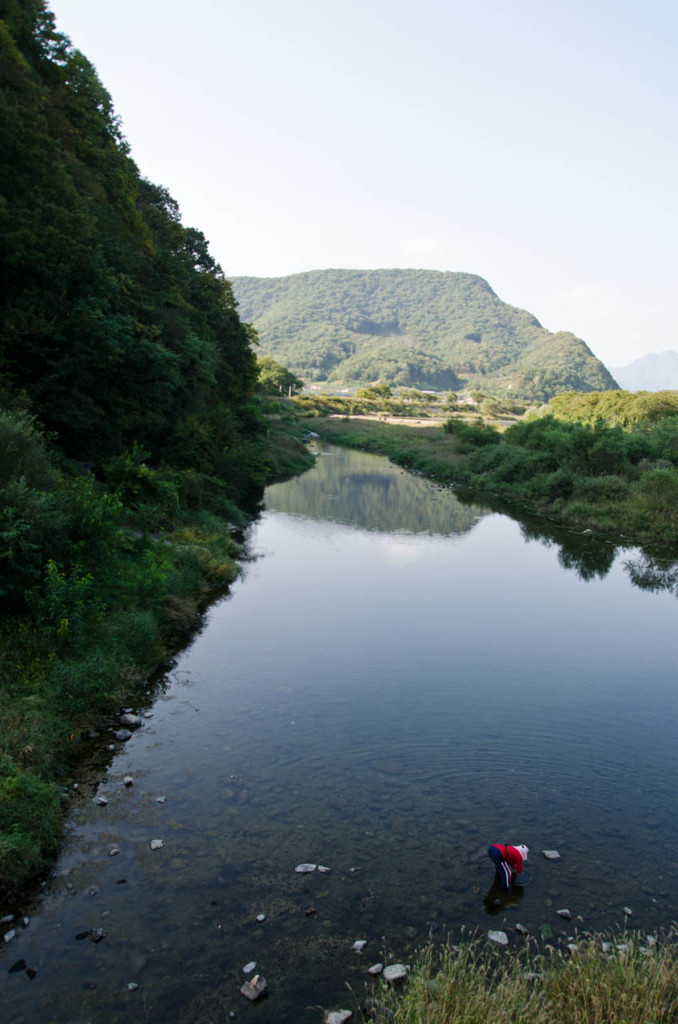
(532, 142)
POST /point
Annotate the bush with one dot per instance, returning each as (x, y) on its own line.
(470, 436)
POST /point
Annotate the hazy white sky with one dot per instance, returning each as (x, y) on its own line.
(532, 142)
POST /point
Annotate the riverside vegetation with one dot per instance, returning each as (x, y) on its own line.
(606, 461)
(133, 428)
(626, 978)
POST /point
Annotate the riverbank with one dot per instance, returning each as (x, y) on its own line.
(606, 480)
(629, 978)
(107, 581)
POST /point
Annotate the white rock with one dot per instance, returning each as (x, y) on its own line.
(522, 930)
(7, 919)
(249, 967)
(551, 854)
(101, 800)
(338, 1016)
(254, 988)
(322, 869)
(160, 799)
(500, 937)
(305, 869)
(132, 986)
(113, 852)
(651, 940)
(565, 913)
(128, 780)
(8, 936)
(157, 844)
(394, 972)
(261, 917)
(375, 969)
(628, 911)
(606, 947)
(359, 945)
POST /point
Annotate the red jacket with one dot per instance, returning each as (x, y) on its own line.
(511, 856)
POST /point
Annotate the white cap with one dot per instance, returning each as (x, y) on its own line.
(523, 851)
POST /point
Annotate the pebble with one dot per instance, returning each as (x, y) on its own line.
(565, 913)
(97, 934)
(338, 1017)
(249, 967)
(322, 869)
(160, 799)
(500, 937)
(128, 780)
(254, 988)
(651, 940)
(132, 986)
(628, 911)
(8, 936)
(131, 721)
(261, 917)
(123, 735)
(394, 972)
(551, 854)
(375, 969)
(93, 890)
(305, 869)
(522, 930)
(359, 945)
(101, 800)
(606, 947)
(114, 851)
(157, 844)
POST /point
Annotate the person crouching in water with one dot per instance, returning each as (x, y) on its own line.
(508, 862)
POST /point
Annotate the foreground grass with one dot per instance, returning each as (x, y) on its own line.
(601, 980)
(599, 489)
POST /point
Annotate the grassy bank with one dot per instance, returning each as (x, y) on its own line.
(104, 577)
(600, 980)
(607, 479)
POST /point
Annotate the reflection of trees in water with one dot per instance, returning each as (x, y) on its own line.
(651, 573)
(368, 492)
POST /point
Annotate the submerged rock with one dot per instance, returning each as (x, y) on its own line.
(255, 988)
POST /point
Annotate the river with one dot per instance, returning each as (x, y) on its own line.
(397, 680)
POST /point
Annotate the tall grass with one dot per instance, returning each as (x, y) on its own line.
(619, 979)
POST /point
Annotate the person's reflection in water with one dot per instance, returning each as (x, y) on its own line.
(499, 899)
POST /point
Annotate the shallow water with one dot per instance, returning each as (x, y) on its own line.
(397, 680)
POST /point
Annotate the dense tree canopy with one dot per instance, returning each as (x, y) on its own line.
(413, 327)
(115, 321)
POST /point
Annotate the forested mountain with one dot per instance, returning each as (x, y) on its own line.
(657, 371)
(116, 325)
(413, 327)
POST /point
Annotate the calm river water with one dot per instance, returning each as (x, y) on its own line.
(396, 681)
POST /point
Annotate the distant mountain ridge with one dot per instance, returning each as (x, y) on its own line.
(657, 371)
(421, 328)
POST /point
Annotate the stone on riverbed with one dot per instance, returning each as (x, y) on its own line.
(128, 780)
(249, 967)
(254, 988)
(565, 913)
(131, 721)
(359, 945)
(551, 854)
(500, 937)
(123, 735)
(157, 844)
(338, 1017)
(305, 869)
(375, 969)
(522, 930)
(394, 972)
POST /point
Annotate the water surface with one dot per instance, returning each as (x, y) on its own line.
(397, 680)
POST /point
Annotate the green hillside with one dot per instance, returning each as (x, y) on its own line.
(423, 328)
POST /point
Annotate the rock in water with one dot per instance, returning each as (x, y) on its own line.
(255, 988)
(359, 945)
(565, 913)
(131, 721)
(522, 930)
(305, 869)
(249, 967)
(338, 1017)
(551, 854)
(375, 969)
(500, 937)
(394, 972)
(157, 844)
(123, 735)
